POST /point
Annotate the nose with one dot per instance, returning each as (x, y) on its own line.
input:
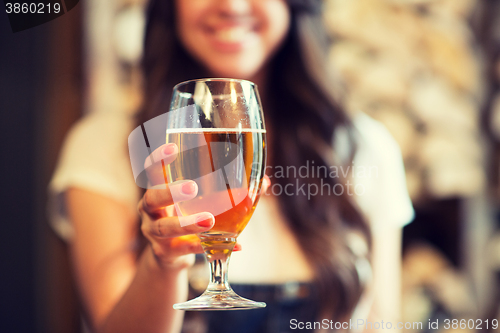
(234, 7)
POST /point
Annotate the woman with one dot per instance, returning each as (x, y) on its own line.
(318, 244)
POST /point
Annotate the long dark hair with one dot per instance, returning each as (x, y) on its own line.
(303, 117)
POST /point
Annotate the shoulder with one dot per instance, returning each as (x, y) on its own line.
(96, 138)
(379, 174)
(373, 139)
(112, 127)
(94, 157)
(96, 146)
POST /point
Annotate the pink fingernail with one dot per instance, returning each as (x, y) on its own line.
(267, 181)
(169, 150)
(203, 221)
(189, 188)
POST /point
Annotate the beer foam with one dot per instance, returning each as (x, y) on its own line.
(218, 130)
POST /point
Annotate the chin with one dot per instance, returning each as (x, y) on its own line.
(235, 72)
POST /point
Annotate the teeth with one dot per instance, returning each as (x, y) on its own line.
(233, 34)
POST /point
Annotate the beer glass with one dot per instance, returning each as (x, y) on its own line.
(219, 128)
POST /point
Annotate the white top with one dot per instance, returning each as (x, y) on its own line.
(379, 176)
(95, 157)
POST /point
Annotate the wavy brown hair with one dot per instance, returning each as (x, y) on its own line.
(304, 117)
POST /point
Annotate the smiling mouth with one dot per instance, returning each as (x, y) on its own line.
(232, 38)
(233, 34)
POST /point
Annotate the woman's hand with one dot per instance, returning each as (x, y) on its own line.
(173, 238)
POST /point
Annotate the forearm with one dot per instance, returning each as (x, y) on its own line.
(146, 306)
(386, 288)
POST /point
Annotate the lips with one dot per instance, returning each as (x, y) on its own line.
(232, 38)
(232, 34)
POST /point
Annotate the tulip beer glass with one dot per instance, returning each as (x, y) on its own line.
(219, 128)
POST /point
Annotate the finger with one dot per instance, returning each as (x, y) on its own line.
(155, 200)
(171, 227)
(176, 247)
(185, 245)
(171, 211)
(166, 153)
(189, 244)
(157, 161)
(266, 183)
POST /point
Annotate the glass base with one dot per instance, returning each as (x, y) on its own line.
(219, 300)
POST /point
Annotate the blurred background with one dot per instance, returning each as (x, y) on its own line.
(428, 69)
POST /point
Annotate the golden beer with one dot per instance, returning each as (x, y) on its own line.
(228, 166)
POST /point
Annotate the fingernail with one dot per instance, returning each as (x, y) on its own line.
(169, 149)
(189, 188)
(204, 222)
(267, 181)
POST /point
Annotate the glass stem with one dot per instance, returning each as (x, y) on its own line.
(218, 273)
